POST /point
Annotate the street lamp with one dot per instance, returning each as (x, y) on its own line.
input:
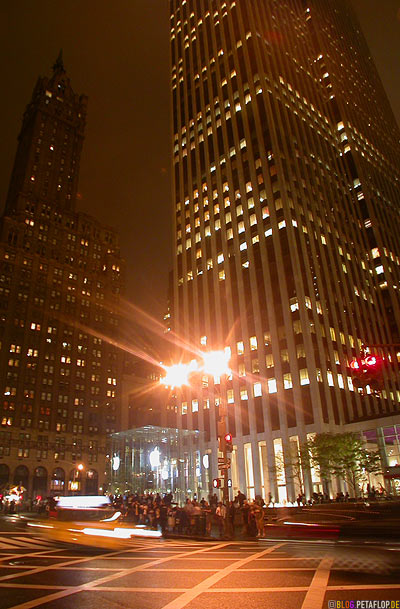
(75, 483)
(178, 374)
(216, 364)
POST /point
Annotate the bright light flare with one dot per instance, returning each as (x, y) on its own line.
(83, 501)
(119, 533)
(216, 363)
(178, 374)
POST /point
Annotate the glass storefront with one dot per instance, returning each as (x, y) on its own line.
(158, 460)
(387, 441)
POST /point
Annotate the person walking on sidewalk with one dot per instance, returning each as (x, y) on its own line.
(220, 515)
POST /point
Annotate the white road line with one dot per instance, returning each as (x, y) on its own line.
(10, 585)
(40, 542)
(209, 591)
(314, 598)
(91, 585)
(348, 588)
(365, 587)
(77, 561)
(39, 554)
(182, 570)
(17, 544)
(189, 595)
(281, 569)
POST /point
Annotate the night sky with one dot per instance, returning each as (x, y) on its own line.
(117, 53)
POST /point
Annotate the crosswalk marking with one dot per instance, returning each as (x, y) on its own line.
(40, 542)
(19, 541)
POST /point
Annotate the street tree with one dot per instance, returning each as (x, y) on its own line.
(343, 455)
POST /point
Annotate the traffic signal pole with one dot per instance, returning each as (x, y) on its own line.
(222, 430)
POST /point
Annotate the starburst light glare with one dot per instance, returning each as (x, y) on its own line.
(178, 374)
(216, 363)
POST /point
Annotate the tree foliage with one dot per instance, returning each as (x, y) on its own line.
(343, 455)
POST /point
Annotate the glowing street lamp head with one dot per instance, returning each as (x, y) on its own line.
(216, 363)
(80, 467)
(178, 374)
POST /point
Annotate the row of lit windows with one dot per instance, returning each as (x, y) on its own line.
(271, 387)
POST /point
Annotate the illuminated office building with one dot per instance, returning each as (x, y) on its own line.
(60, 285)
(286, 214)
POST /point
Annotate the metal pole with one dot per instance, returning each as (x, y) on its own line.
(223, 430)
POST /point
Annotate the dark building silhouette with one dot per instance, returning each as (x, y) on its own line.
(286, 166)
(60, 284)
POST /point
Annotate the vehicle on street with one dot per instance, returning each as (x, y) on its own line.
(89, 520)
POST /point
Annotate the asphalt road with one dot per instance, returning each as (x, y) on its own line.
(177, 574)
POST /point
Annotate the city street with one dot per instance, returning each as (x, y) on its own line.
(180, 573)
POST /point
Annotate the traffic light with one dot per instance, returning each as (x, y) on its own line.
(373, 363)
(366, 369)
(216, 483)
(228, 442)
(355, 366)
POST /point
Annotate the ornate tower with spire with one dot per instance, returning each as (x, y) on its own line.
(60, 284)
(46, 167)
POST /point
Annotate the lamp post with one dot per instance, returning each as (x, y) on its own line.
(77, 472)
(216, 363)
(213, 363)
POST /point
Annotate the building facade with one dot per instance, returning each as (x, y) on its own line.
(60, 285)
(286, 167)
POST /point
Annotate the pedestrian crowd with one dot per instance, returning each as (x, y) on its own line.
(227, 519)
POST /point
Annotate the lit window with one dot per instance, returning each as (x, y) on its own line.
(297, 329)
(272, 385)
(257, 390)
(195, 405)
(240, 347)
(230, 398)
(184, 408)
(304, 380)
(285, 355)
(287, 380)
(243, 394)
(294, 304)
(253, 343)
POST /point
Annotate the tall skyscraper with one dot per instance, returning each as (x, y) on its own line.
(60, 286)
(286, 161)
